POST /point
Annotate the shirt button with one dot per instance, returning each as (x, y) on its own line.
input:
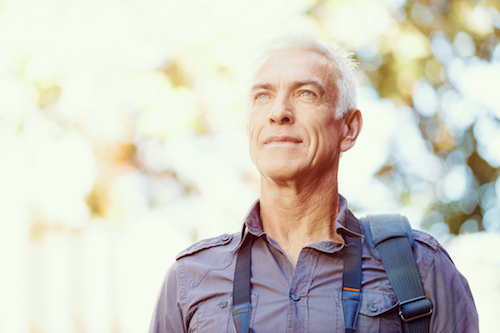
(373, 308)
(295, 297)
(223, 304)
(225, 237)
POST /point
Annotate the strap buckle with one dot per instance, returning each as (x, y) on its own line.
(415, 308)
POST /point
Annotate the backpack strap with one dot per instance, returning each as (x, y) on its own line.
(390, 239)
(351, 284)
(242, 306)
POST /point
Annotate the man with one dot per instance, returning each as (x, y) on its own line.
(303, 115)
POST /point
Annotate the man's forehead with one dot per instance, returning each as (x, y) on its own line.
(293, 65)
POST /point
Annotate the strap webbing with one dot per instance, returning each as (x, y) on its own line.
(399, 263)
(351, 289)
(403, 273)
(242, 306)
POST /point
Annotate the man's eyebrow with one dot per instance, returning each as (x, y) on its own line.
(263, 86)
(295, 85)
(312, 82)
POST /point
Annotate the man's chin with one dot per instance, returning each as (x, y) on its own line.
(282, 173)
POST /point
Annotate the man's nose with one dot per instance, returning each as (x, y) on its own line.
(281, 112)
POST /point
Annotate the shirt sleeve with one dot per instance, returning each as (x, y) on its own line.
(453, 306)
(168, 316)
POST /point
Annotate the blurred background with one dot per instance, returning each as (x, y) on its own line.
(122, 140)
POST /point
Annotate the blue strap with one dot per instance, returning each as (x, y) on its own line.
(390, 238)
(242, 306)
(351, 288)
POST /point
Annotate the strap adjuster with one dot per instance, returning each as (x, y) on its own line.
(415, 308)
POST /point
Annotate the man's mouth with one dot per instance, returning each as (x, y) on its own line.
(282, 139)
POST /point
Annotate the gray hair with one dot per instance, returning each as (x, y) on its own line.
(338, 56)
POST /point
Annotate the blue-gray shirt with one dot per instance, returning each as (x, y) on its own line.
(197, 293)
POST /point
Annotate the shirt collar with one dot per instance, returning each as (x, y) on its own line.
(253, 225)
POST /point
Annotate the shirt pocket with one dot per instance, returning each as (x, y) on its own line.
(378, 313)
(215, 315)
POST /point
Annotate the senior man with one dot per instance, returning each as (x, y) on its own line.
(303, 115)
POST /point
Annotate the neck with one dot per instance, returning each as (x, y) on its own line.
(296, 216)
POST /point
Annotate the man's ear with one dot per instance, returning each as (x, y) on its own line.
(352, 127)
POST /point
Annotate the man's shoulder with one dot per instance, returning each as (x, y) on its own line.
(398, 226)
(222, 243)
(427, 251)
(214, 254)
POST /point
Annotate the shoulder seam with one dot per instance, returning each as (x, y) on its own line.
(182, 280)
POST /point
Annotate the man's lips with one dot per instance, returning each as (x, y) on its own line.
(281, 139)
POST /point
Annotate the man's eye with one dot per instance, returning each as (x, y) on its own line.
(260, 96)
(306, 94)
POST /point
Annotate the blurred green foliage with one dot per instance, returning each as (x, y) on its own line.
(428, 42)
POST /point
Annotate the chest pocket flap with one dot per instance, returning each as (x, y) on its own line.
(377, 303)
(378, 313)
